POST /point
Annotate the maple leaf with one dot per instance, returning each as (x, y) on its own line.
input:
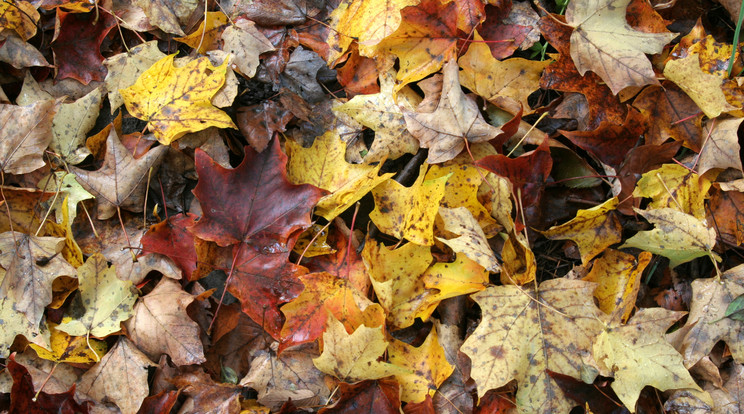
(120, 377)
(721, 147)
(702, 87)
(604, 42)
(471, 241)
(23, 398)
(382, 113)
(324, 294)
(125, 68)
(108, 300)
(665, 106)
(379, 21)
(77, 43)
(206, 394)
(618, 279)
(524, 333)
(168, 14)
(678, 236)
(425, 39)
(727, 207)
(593, 230)
(324, 166)
(354, 357)
(674, 186)
(71, 193)
(122, 180)
(177, 100)
(263, 205)
(160, 325)
(246, 42)
(71, 125)
(408, 212)
(707, 321)
(172, 238)
(259, 122)
(19, 16)
(26, 132)
(427, 363)
(456, 119)
(205, 37)
(518, 265)
(379, 396)
(637, 354)
(507, 83)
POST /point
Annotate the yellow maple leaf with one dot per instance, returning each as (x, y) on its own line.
(674, 186)
(324, 166)
(471, 241)
(354, 357)
(408, 212)
(427, 363)
(19, 16)
(206, 35)
(177, 100)
(618, 276)
(702, 87)
(519, 266)
(71, 349)
(593, 230)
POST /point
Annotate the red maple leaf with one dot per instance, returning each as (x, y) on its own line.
(171, 238)
(23, 398)
(77, 45)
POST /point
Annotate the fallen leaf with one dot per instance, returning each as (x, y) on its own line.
(379, 396)
(427, 363)
(206, 395)
(604, 42)
(205, 37)
(637, 354)
(108, 301)
(324, 166)
(70, 349)
(172, 238)
(26, 132)
(77, 43)
(168, 14)
(524, 333)
(518, 266)
(19, 16)
(71, 125)
(354, 357)
(702, 87)
(243, 40)
(160, 325)
(506, 83)
(125, 68)
(669, 110)
(120, 377)
(70, 194)
(720, 149)
(472, 241)
(122, 180)
(593, 230)
(678, 236)
(674, 186)
(408, 212)
(725, 211)
(23, 399)
(456, 120)
(177, 100)
(259, 122)
(707, 322)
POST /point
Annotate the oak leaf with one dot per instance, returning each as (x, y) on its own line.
(524, 333)
(408, 212)
(593, 230)
(427, 363)
(457, 119)
(108, 301)
(324, 166)
(122, 180)
(707, 322)
(604, 42)
(120, 377)
(177, 100)
(637, 354)
(160, 325)
(26, 133)
(354, 357)
(678, 236)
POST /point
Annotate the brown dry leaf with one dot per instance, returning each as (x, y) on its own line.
(289, 375)
(206, 395)
(721, 147)
(122, 180)
(525, 332)
(427, 363)
(168, 14)
(593, 230)
(637, 355)
(29, 265)
(456, 119)
(707, 323)
(665, 106)
(160, 325)
(26, 133)
(120, 377)
(472, 241)
(507, 83)
(618, 279)
(243, 40)
(408, 212)
(354, 357)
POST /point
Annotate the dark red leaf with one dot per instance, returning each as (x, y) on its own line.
(600, 398)
(171, 238)
(503, 39)
(22, 395)
(640, 160)
(259, 122)
(77, 45)
(161, 403)
(379, 397)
